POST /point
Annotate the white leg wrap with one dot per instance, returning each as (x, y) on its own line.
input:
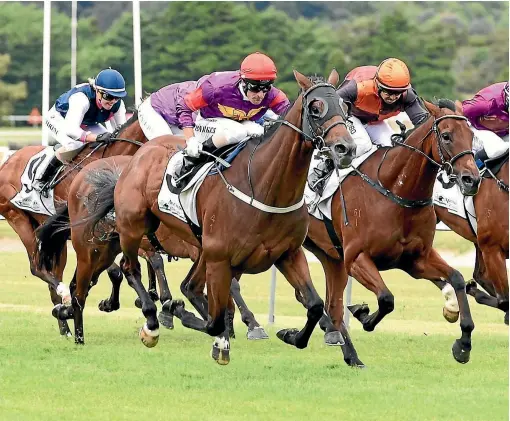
(221, 343)
(63, 291)
(451, 303)
(152, 333)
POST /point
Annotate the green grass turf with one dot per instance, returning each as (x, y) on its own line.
(410, 373)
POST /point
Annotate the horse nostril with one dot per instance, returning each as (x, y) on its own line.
(341, 149)
(468, 180)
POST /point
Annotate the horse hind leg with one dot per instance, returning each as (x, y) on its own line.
(156, 268)
(365, 271)
(62, 324)
(255, 331)
(113, 302)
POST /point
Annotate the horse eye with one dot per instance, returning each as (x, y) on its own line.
(446, 136)
(315, 110)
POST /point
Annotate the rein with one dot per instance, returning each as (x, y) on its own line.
(445, 165)
(314, 133)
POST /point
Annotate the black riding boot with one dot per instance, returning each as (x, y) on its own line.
(50, 171)
(189, 162)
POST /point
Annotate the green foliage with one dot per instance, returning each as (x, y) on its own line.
(452, 48)
(9, 92)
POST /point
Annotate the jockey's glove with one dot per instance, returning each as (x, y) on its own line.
(104, 137)
(193, 147)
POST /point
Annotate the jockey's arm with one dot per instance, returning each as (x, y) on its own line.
(119, 118)
(190, 103)
(414, 109)
(475, 108)
(348, 91)
(78, 106)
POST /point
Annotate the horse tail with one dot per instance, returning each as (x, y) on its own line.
(52, 236)
(99, 201)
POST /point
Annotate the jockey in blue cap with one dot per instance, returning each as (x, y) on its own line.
(76, 116)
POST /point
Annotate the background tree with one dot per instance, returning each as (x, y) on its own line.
(9, 92)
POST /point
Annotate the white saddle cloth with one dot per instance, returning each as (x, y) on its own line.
(29, 198)
(321, 205)
(456, 203)
(184, 203)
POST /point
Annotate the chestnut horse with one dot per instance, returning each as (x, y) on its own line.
(236, 237)
(491, 240)
(25, 223)
(390, 223)
(96, 252)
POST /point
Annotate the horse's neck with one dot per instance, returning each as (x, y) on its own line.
(282, 164)
(407, 173)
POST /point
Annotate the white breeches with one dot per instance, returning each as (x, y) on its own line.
(152, 124)
(56, 126)
(494, 145)
(228, 131)
(364, 135)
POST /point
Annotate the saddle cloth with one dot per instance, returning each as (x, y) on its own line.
(180, 205)
(29, 198)
(321, 205)
(456, 203)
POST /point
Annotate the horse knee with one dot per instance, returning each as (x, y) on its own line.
(316, 310)
(386, 302)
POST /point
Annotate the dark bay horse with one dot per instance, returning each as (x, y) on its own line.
(395, 229)
(96, 252)
(25, 223)
(237, 236)
(491, 240)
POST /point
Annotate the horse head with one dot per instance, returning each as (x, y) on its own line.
(323, 118)
(452, 149)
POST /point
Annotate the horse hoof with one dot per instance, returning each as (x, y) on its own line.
(138, 303)
(107, 306)
(334, 338)
(450, 316)
(256, 334)
(359, 311)
(355, 363)
(176, 307)
(287, 335)
(149, 337)
(461, 355)
(220, 351)
(166, 319)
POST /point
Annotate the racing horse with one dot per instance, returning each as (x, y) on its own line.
(246, 233)
(491, 238)
(126, 141)
(390, 223)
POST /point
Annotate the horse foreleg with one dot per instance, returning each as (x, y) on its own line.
(113, 302)
(432, 266)
(156, 268)
(294, 267)
(495, 265)
(255, 331)
(365, 272)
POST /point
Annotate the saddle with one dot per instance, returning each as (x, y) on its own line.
(494, 165)
(227, 153)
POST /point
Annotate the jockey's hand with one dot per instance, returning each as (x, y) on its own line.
(104, 137)
(254, 129)
(193, 147)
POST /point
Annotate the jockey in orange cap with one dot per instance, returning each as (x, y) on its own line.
(375, 94)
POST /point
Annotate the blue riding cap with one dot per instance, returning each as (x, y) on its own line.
(111, 82)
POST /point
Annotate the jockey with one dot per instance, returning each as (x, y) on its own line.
(75, 117)
(227, 106)
(487, 112)
(376, 94)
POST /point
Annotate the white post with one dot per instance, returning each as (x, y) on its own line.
(46, 69)
(137, 52)
(74, 26)
(272, 294)
(347, 299)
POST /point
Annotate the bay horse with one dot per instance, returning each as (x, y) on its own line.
(96, 252)
(25, 223)
(237, 235)
(390, 223)
(491, 239)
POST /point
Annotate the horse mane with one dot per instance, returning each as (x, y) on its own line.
(444, 103)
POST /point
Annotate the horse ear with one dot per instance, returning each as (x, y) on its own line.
(302, 80)
(333, 78)
(458, 107)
